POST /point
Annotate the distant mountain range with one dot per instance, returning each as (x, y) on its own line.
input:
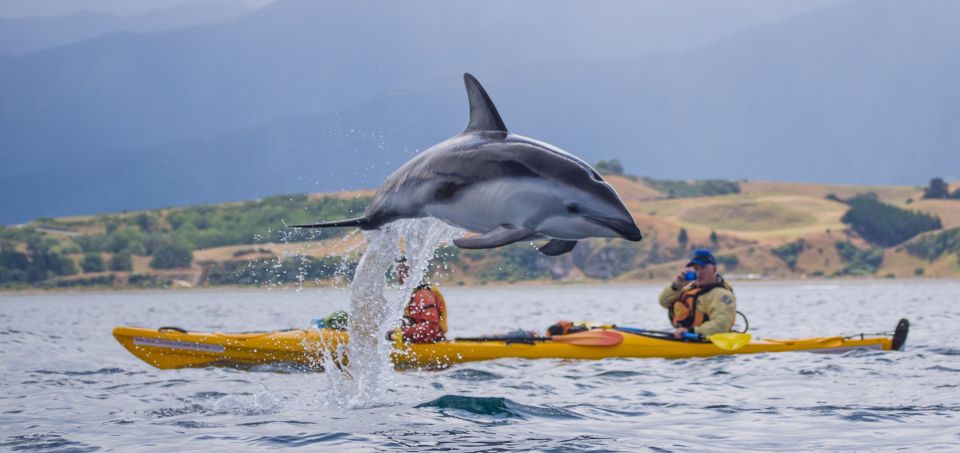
(20, 35)
(319, 95)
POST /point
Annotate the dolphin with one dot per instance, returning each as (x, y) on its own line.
(505, 186)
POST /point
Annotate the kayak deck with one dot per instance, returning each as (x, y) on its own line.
(169, 348)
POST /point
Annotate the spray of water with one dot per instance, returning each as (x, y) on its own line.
(376, 309)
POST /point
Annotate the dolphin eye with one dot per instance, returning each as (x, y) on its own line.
(573, 208)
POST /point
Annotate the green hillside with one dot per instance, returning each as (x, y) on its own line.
(757, 229)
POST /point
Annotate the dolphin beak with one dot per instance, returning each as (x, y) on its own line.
(627, 229)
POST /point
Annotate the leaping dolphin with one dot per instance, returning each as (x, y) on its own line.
(504, 186)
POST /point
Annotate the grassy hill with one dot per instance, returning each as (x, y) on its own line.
(757, 229)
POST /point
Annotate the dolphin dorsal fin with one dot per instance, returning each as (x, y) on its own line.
(483, 114)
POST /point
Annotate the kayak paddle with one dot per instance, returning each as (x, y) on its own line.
(729, 341)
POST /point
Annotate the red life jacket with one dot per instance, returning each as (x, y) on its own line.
(424, 317)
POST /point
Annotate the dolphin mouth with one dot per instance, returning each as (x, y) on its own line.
(626, 229)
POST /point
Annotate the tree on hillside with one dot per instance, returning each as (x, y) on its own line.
(121, 262)
(13, 265)
(683, 239)
(884, 224)
(92, 262)
(790, 252)
(714, 240)
(609, 167)
(938, 189)
(170, 256)
(859, 262)
(148, 223)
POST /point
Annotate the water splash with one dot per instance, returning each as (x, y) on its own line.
(376, 308)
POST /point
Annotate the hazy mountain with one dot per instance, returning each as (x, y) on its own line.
(857, 92)
(28, 8)
(27, 34)
(298, 56)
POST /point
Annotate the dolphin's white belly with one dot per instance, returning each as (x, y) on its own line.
(516, 201)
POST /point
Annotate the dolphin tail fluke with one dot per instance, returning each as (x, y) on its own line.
(359, 222)
(498, 237)
(557, 247)
(483, 114)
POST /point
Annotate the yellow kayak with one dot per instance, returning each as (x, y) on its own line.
(169, 347)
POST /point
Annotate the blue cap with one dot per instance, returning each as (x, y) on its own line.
(702, 257)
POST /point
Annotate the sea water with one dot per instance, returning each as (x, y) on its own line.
(67, 385)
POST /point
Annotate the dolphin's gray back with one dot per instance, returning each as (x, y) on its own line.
(441, 173)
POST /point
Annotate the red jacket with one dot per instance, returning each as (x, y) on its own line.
(421, 317)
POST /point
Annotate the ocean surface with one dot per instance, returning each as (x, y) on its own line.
(67, 385)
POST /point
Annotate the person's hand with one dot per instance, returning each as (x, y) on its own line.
(679, 281)
(678, 333)
(402, 272)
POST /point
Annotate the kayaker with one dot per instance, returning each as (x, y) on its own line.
(699, 302)
(425, 316)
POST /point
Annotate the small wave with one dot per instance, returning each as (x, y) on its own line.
(261, 403)
(618, 374)
(177, 411)
(45, 442)
(137, 385)
(468, 374)
(945, 351)
(724, 408)
(209, 395)
(871, 417)
(282, 368)
(190, 424)
(603, 411)
(304, 440)
(269, 422)
(497, 407)
(82, 373)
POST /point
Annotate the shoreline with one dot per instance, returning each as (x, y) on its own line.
(524, 284)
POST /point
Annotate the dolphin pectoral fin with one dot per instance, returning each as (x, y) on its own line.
(498, 237)
(557, 247)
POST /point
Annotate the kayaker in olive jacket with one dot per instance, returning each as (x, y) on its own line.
(699, 302)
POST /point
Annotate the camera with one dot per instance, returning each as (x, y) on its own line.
(690, 276)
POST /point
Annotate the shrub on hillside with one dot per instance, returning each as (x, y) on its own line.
(790, 252)
(13, 266)
(604, 259)
(884, 224)
(859, 262)
(932, 246)
(687, 189)
(121, 262)
(149, 281)
(200, 227)
(100, 280)
(92, 262)
(171, 256)
(45, 263)
(729, 262)
(516, 262)
(267, 271)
